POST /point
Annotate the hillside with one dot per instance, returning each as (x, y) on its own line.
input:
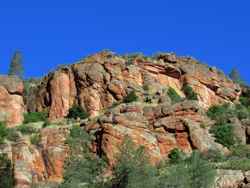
(164, 103)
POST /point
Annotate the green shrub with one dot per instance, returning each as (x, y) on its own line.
(241, 111)
(82, 166)
(176, 156)
(131, 97)
(6, 174)
(46, 123)
(133, 169)
(78, 140)
(238, 164)
(35, 139)
(245, 101)
(190, 94)
(12, 135)
(77, 112)
(194, 172)
(224, 134)
(241, 151)
(32, 117)
(3, 132)
(223, 113)
(25, 129)
(175, 98)
(214, 155)
(220, 113)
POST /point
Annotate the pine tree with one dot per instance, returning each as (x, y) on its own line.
(16, 67)
(235, 76)
(133, 169)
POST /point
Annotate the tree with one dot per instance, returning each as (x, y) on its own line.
(83, 168)
(6, 174)
(133, 169)
(235, 76)
(16, 67)
(194, 172)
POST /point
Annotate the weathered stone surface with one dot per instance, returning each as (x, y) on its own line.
(229, 179)
(102, 79)
(43, 163)
(11, 100)
(154, 121)
(159, 129)
(12, 84)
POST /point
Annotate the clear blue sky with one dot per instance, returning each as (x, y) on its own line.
(53, 32)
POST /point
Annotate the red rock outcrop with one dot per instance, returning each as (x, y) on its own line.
(42, 163)
(159, 129)
(11, 100)
(100, 80)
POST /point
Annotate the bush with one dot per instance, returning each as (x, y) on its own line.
(223, 113)
(241, 151)
(12, 135)
(245, 100)
(241, 111)
(6, 174)
(77, 112)
(224, 134)
(32, 117)
(176, 156)
(3, 132)
(193, 172)
(239, 164)
(35, 139)
(78, 140)
(133, 169)
(190, 94)
(82, 166)
(131, 97)
(220, 113)
(24, 129)
(214, 155)
(175, 98)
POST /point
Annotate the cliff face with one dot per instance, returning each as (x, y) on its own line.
(103, 79)
(99, 84)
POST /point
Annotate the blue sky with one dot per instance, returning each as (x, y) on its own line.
(53, 32)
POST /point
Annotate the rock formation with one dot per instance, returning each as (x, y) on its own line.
(102, 79)
(99, 84)
(11, 100)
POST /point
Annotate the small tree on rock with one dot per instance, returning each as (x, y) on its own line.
(235, 76)
(16, 67)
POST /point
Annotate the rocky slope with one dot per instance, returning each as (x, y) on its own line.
(99, 84)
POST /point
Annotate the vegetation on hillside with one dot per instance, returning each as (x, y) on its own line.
(174, 96)
(76, 112)
(6, 174)
(189, 92)
(33, 117)
(133, 169)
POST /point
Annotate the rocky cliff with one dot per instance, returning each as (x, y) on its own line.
(103, 79)
(99, 84)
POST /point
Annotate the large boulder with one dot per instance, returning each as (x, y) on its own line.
(11, 100)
